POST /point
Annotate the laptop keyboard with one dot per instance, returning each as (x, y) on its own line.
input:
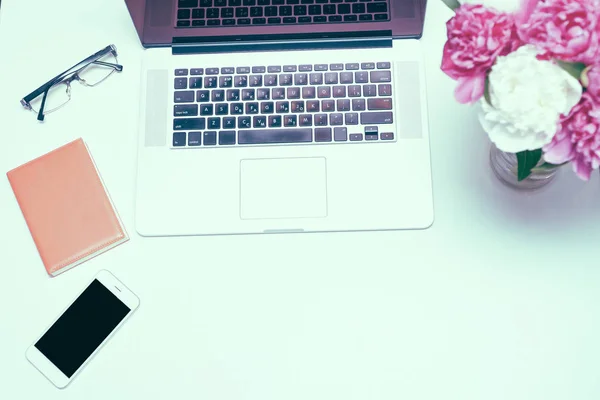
(300, 104)
(199, 13)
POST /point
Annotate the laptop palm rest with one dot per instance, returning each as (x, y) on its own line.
(283, 188)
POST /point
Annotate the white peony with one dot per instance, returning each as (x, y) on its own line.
(508, 6)
(528, 96)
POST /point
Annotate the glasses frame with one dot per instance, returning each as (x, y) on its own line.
(69, 76)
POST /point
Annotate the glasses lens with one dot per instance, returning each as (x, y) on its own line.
(58, 96)
(96, 72)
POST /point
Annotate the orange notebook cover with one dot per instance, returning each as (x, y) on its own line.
(66, 206)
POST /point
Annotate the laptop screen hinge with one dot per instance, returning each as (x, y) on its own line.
(291, 41)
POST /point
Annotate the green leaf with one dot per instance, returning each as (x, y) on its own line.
(526, 161)
(486, 91)
(452, 4)
(574, 69)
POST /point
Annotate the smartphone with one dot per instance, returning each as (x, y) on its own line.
(82, 329)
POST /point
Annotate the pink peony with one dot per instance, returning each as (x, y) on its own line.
(564, 29)
(476, 37)
(578, 138)
(593, 78)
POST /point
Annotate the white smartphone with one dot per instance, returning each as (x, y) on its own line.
(82, 329)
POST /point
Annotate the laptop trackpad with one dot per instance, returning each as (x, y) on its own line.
(283, 188)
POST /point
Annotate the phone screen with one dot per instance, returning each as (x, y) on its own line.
(82, 328)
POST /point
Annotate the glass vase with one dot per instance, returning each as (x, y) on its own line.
(504, 166)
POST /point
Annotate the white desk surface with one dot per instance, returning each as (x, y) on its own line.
(498, 300)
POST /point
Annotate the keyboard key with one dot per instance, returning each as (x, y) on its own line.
(334, 18)
(371, 133)
(340, 134)
(227, 70)
(226, 138)
(343, 105)
(225, 81)
(289, 120)
(328, 105)
(313, 106)
(273, 68)
(181, 72)
(300, 10)
(214, 123)
(182, 124)
(293, 93)
(320, 18)
(220, 3)
(365, 17)
(351, 66)
(210, 138)
(183, 24)
(367, 65)
(179, 139)
(354, 91)
(316, 78)
(343, 9)
(300, 79)
(271, 11)
(212, 71)
(380, 117)
(256, 11)
(358, 8)
(186, 96)
(252, 108)
(243, 21)
(274, 121)
(242, 70)
(387, 136)
(205, 3)
(263, 94)
(210, 82)
(380, 76)
(198, 22)
(358, 105)
(240, 81)
(356, 137)
(308, 92)
(329, 9)
(187, 3)
(383, 65)
(298, 106)
(221, 109)
(304, 20)
(351, 118)
(229, 21)
(361, 77)
(180, 83)
(187, 110)
(288, 20)
(321, 120)
(322, 134)
(259, 121)
(262, 136)
(323, 92)
(314, 10)
(249, 2)
(194, 138)
(377, 7)
(258, 70)
(369, 90)
(242, 12)
(233, 95)
(197, 71)
(321, 67)
(237, 108)
(379, 104)
(381, 17)
(248, 94)
(267, 107)
(384, 90)
(278, 94)
(339, 91)
(270, 80)
(184, 14)
(228, 122)
(206, 109)
(285, 79)
(195, 83)
(305, 68)
(259, 21)
(245, 122)
(202, 96)
(336, 119)
(331, 78)
(255, 80)
(346, 77)
(217, 95)
(336, 67)
(213, 22)
(282, 107)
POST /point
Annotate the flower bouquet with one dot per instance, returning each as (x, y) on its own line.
(534, 68)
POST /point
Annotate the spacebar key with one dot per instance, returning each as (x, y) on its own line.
(260, 136)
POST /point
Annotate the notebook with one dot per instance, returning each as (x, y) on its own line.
(66, 207)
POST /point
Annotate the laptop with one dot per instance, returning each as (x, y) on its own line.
(274, 116)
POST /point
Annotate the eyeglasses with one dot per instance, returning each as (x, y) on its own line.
(90, 72)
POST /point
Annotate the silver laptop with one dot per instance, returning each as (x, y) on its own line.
(266, 116)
